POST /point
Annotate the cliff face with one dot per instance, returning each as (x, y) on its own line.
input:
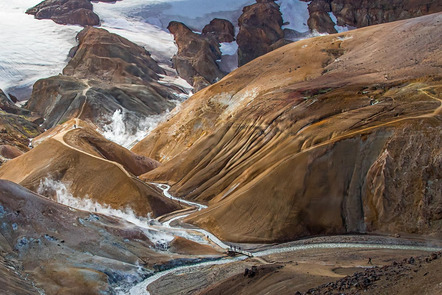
(322, 136)
(196, 58)
(364, 13)
(17, 125)
(259, 30)
(106, 73)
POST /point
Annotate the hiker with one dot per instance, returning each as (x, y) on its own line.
(369, 261)
(75, 126)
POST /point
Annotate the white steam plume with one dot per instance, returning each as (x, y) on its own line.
(60, 190)
(121, 133)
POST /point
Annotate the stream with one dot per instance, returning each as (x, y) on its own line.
(141, 288)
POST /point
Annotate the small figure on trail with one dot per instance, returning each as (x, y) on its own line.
(75, 126)
(369, 261)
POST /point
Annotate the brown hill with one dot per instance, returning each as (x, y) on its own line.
(328, 135)
(92, 167)
(106, 73)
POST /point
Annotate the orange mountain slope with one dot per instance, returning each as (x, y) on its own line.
(91, 167)
(334, 134)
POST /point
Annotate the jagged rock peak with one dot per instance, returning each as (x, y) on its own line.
(259, 28)
(365, 13)
(110, 57)
(221, 29)
(196, 58)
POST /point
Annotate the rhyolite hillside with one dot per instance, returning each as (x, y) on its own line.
(328, 135)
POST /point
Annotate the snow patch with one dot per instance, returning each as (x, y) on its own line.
(30, 49)
(229, 57)
(296, 13)
(118, 18)
(339, 29)
(229, 48)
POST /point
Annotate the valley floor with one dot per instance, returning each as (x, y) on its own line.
(303, 270)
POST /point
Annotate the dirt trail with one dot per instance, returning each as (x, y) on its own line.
(85, 97)
(60, 137)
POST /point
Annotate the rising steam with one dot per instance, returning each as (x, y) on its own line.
(59, 191)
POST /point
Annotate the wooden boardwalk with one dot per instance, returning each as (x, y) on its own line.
(234, 252)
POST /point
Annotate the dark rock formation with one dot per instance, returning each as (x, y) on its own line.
(15, 130)
(388, 279)
(76, 12)
(9, 151)
(365, 12)
(197, 55)
(107, 73)
(320, 19)
(7, 105)
(13, 98)
(259, 28)
(221, 29)
(104, 56)
(16, 127)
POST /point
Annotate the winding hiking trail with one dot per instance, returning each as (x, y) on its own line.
(60, 138)
(195, 234)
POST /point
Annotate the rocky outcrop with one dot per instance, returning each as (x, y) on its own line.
(259, 29)
(7, 105)
(108, 57)
(196, 58)
(73, 12)
(403, 277)
(106, 73)
(16, 130)
(365, 13)
(17, 126)
(322, 136)
(221, 29)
